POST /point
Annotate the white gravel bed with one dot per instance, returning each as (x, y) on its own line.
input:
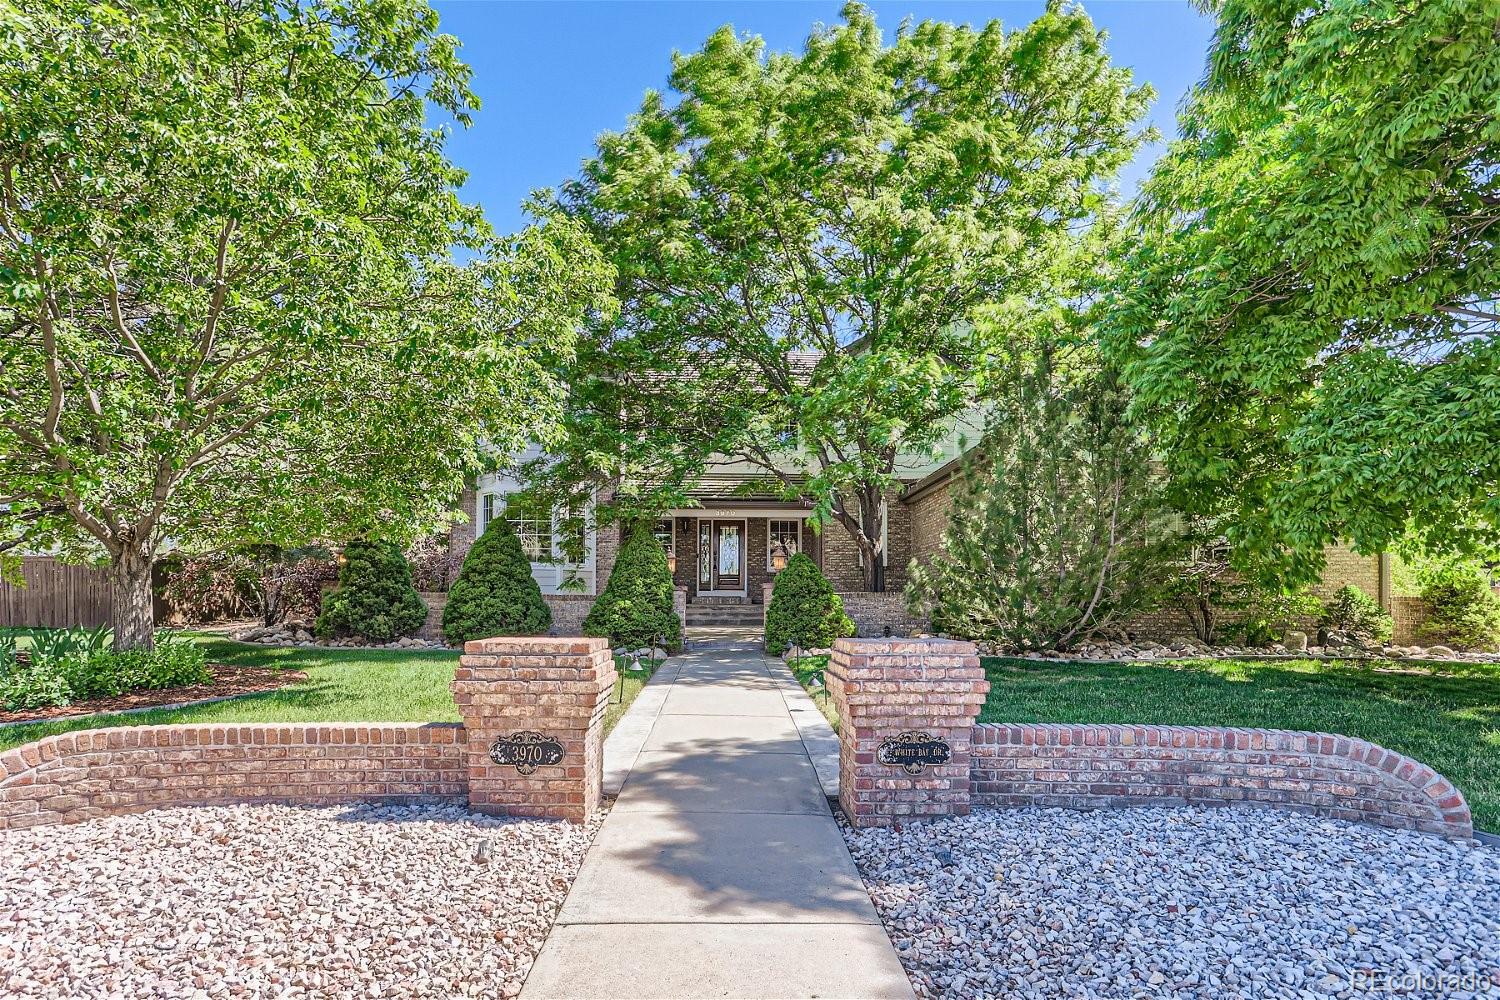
(280, 901)
(1183, 902)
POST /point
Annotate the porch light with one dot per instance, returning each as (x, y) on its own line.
(778, 557)
(672, 563)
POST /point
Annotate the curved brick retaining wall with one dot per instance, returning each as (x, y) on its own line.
(1099, 766)
(102, 772)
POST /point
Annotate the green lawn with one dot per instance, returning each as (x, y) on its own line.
(343, 685)
(1448, 719)
(808, 668)
(627, 688)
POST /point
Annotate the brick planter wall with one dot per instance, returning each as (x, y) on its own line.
(884, 687)
(568, 612)
(432, 628)
(874, 613)
(559, 688)
(1102, 766)
(103, 772)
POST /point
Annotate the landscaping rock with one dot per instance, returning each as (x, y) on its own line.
(1178, 902)
(275, 901)
(1295, 642)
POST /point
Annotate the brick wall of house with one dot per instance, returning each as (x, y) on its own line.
(1408, 615)
(756, 573)
(929, 522)
(461, 533)
(840, 553)
(1344, 566)
(685, 539)
(105, 772)
(1100, 766)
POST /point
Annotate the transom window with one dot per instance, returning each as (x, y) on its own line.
(787, 534)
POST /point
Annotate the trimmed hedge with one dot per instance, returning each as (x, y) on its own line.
(375, 599)
(804, 609)
(636, 607)
(495, 593)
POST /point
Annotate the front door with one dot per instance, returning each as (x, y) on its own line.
(728, 541)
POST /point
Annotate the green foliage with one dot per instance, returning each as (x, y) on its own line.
(495, 593)
(1263, 614)
(1463, 607)
(803, 238)
(230, 306)
(1352, 611)
(68, 665)
(636, 606)
(1061, 530)
(375, 599)
(804, 610)
(1308, 315)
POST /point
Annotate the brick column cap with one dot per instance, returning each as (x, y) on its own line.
(935, 647)
(537, 645)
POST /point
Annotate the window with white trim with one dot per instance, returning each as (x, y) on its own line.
(664, 534)
(533, 523)
(787, 534)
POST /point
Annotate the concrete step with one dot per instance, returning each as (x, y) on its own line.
(725, 616)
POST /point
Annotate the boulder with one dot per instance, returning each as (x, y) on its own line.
(1440, 652)
(1295, 641)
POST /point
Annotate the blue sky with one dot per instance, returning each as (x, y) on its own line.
(553, 74)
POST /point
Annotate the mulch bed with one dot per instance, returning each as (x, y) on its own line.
(227, 681)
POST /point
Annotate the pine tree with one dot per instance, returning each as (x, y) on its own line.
(1353, 611)
(636, 608)
(375, 599)
(1059, 531)
(804, 610)
(495, 593)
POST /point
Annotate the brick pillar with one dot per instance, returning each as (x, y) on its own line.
(931, 689)
(557, 688)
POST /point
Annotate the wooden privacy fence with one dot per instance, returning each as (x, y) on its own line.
(56, 595)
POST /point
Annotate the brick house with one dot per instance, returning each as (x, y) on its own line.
(723, 549)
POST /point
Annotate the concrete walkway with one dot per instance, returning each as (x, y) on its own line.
(720, 871)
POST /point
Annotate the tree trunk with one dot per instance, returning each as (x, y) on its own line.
(874, 530)
(130, 600)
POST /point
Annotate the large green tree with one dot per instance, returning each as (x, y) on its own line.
(227, 295)
(1310, 314)
(800, 239)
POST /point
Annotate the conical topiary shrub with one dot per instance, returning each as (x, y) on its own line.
(495, 593)
(636, 609)
(804, 609)
(375, 599)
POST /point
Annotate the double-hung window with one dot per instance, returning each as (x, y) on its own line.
(786, 534)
